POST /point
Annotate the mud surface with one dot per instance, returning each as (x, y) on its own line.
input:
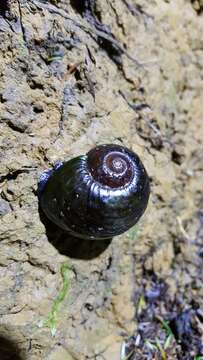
(75, 74)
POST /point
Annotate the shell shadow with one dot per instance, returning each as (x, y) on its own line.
(9, 349)
(71, 246)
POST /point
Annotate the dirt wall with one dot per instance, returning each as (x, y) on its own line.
(75, 74)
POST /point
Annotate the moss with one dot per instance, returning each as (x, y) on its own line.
(51, 321)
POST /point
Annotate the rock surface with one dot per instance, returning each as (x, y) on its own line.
(73, 75)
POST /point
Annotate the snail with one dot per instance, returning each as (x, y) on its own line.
(97, 195)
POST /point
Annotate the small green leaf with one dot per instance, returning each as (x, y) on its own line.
(141, 304)
(150, 345)
(167, 342)
(53, 58)
(166, 326)
(163, 353)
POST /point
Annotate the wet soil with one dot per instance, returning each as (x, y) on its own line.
(74, 74)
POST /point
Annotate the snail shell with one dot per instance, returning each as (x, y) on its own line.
(98, 195)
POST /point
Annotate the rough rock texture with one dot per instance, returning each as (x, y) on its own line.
(74, 74)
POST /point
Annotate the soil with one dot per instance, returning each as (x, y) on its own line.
(75, 74)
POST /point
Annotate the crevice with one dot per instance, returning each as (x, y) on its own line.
(79, 6)
(107, 40)
(110, 259)
(15, 127)
(87, 9)
(44, 266)
(197, 6)
(4, 8)
(9, 350)
(154, 135)
(176, 157)
(21, 24)
(118, 20)
(135, 107)
(38, 109)
(13, 175)
(34, 85)
(2, 100)
(136, 10)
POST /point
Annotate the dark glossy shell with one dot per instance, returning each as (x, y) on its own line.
(98, 195)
